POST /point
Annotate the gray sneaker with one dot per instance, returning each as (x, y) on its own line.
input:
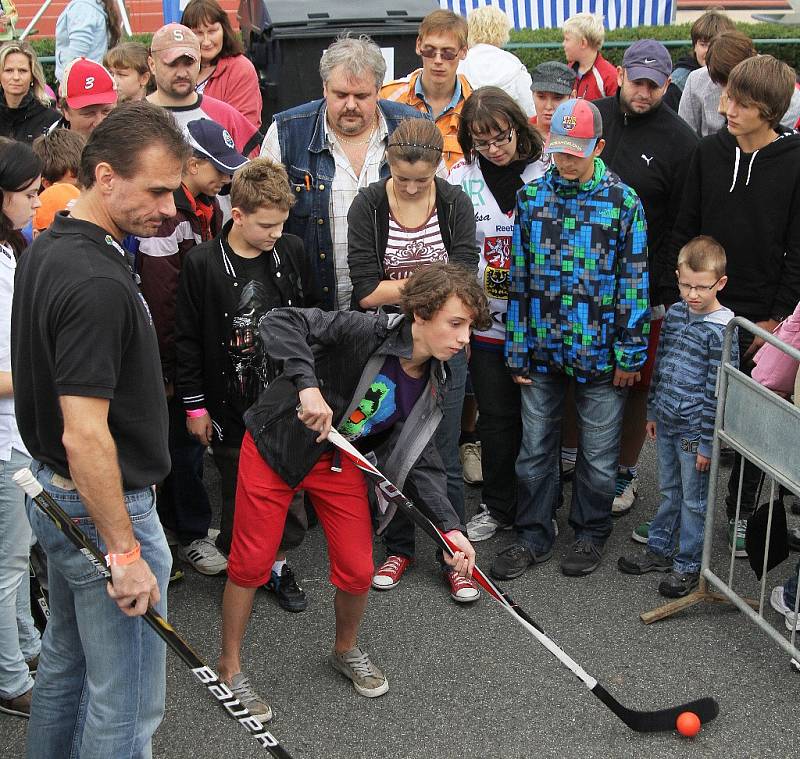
(204, 556)
(241, 688)
(483, 525)
(367, 679)
(648, 561)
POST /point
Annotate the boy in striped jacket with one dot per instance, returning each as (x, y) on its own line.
(680, 416)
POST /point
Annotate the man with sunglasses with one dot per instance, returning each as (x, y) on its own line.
(437, 90)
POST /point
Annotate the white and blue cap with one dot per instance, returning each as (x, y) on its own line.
(214, 143)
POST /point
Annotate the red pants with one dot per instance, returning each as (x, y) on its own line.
(262, 501)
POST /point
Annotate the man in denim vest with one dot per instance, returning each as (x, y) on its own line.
(331, 148)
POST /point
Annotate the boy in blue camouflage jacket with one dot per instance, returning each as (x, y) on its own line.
(578, 314)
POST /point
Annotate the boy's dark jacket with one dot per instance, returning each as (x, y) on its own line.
(750, 204)
(160, 259)
(368, 233)
(208, 297)
(340, 352)
(651, 152)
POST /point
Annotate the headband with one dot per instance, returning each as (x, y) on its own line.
(413, 145)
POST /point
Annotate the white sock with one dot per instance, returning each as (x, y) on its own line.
(277, 567)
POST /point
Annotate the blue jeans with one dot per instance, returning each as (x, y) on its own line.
(101, 683)
(680, 520)
(19, 638)
(399, 535)
(599, 405)
(790, 587)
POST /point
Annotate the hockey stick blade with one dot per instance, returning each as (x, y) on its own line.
(641, 721)
(221, 692)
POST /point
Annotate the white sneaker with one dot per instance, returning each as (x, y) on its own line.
(483, 526)
(776, 602)
(470, 455)
(258, 708)
(204, 557)
(627, 491)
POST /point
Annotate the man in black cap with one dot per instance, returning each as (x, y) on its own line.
(648, 145)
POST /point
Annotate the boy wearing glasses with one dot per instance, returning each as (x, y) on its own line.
(436, 89)
(680, 417)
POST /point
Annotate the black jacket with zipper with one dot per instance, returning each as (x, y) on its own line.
(28, 121)
(750, 204)
(368, 233)
(340, 352)
(209, 292)
(651, 153)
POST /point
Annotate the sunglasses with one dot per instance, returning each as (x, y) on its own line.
(448, 54)
(483, 145)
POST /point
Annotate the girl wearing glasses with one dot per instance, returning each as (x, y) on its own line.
(502, 152)
(394, 227)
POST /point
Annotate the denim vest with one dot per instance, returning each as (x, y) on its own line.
(310, 165)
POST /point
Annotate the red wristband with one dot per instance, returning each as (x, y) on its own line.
(123, 559)
(193, 413)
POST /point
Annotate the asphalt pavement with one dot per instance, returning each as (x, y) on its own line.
(470, 683)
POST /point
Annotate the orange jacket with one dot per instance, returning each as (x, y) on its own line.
(403, 91)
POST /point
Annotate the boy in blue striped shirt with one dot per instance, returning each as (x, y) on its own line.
(680, 416)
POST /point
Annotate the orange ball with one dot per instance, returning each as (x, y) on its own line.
(688, 724)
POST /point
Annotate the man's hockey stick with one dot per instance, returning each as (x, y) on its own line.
(221, 692)
(40, 608)
(641, 721)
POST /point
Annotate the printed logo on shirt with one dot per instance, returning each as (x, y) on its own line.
(495, 282)
(377, 405)
(497, 252)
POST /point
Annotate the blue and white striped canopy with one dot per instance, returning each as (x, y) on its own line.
(548, 14)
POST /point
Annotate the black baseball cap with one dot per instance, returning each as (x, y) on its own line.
(215, 144)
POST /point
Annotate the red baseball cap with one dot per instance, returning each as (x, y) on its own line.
(87, 83)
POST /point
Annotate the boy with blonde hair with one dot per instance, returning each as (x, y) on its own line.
(583, 38)
(681, 408)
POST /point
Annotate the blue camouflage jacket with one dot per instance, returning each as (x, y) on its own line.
(578, 300)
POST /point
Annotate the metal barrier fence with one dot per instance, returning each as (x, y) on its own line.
(764, 428)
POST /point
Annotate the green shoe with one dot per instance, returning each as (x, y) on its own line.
(738, 529)
(641, 532)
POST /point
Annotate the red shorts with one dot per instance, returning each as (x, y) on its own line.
(262, 500)
(652, 347)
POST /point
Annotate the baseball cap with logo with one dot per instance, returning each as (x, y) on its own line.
(87, 83)
(174, 40)
(648, 59)
(553, 76)
(215, 144)
(575, 128)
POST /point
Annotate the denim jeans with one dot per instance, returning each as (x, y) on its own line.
(399, 535)
(599, 408)
(101, 682)
(500, 431)
(19, 638)
(681, 518)
(790, 587)
(183, 505)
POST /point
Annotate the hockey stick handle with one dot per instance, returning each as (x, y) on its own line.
(221, 692)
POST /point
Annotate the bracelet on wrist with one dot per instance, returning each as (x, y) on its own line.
(123, 559)
(194, 413)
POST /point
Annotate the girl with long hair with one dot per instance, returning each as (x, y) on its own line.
(86, 28)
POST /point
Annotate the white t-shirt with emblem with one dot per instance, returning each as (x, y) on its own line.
(494, 230)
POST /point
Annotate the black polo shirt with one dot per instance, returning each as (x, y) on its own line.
(80, 326)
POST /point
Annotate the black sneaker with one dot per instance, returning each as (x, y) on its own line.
(583, 558)
(290, 595)
(511, 562)
(643, 563)
(678, 585)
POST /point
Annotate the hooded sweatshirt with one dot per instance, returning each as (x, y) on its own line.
(750, 204)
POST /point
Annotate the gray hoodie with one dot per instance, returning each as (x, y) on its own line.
(700, 102)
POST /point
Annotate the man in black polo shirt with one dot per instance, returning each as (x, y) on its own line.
(92, 411)
(648, 146)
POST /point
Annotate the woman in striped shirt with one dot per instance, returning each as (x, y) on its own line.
(396, 226)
